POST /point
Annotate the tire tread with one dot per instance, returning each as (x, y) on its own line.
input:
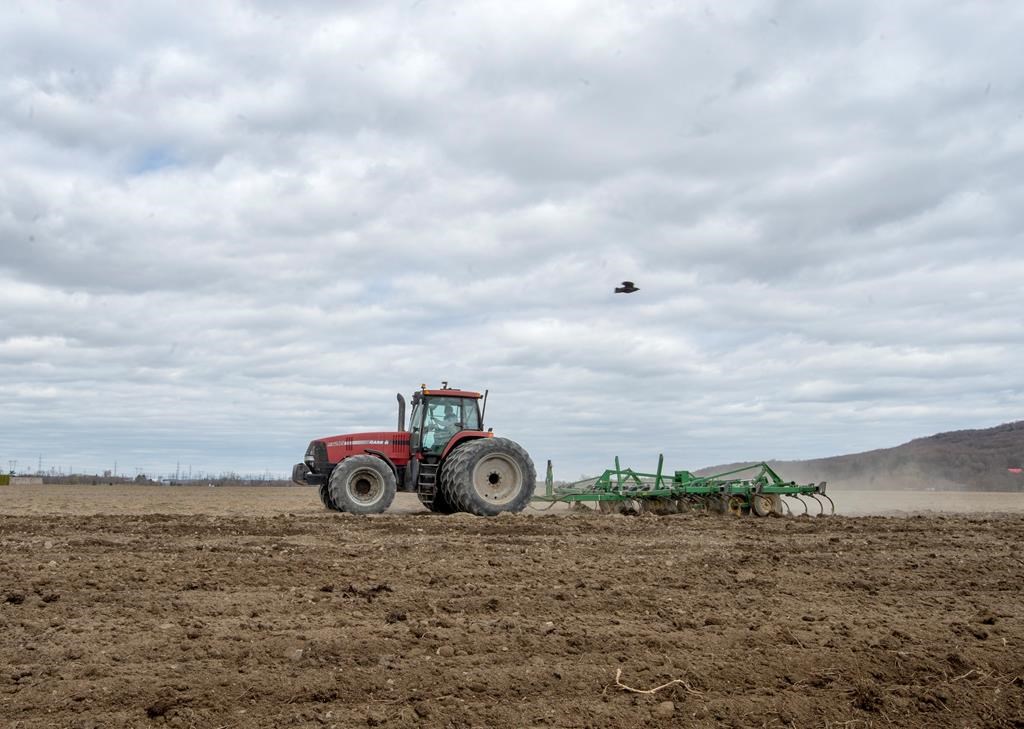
(342, 471)
(456, 483)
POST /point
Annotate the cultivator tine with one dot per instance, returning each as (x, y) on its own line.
(821, 506)
(802, 503)
(831, 504)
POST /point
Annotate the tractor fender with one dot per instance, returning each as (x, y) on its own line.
(462, 437)
(384, 457)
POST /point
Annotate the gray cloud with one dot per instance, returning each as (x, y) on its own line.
(225, 232)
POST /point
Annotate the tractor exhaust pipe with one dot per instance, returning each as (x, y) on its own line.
(401, 413)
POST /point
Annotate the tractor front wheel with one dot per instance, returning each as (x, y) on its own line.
(362, 484)
(325, 497)
(488, 476)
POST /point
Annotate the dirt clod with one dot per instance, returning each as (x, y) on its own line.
(664, 708)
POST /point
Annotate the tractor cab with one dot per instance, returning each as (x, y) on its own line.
(438, 415)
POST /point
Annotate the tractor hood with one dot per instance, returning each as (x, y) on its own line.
(373, 439)
(394, 444)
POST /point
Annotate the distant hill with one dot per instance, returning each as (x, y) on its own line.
(970, 460)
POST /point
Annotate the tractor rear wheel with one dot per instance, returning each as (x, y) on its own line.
(488, 476)
(325, 497)
(438, 504)
(362, 485)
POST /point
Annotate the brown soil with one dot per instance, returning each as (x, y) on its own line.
(310, 619)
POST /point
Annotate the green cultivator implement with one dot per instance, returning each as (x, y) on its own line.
(754, 489)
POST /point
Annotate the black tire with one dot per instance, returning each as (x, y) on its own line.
(489, 476)
(325, 497)
(362, 485)
(439, 504)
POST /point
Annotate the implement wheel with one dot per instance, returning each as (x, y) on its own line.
(764, 504)
(489, 476)
(362, 485)
(736, 504)
(693, 504)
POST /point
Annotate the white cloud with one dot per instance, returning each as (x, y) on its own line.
(227, 231)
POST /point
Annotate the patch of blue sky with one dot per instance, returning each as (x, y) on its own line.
(153, 159)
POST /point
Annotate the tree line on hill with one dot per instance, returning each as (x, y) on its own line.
(988, 459)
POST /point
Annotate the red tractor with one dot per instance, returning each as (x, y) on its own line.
(445, 456)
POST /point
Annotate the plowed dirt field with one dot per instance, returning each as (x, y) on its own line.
(255, 608)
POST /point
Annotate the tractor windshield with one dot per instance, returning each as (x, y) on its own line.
(443, 417)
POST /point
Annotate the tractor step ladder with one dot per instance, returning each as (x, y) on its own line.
(426, 483)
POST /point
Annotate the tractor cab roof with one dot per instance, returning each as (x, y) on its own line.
(445, 391)
(453, 393)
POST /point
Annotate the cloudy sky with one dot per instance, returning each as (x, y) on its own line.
(226, 231)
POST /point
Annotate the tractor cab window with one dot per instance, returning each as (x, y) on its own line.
(443, 417)
(416, 427)
(470, 415)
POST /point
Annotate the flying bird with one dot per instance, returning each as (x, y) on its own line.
(627, 287)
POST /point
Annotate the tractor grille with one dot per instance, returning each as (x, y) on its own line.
(316, 457)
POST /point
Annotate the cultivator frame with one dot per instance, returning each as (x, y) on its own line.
(762, 492)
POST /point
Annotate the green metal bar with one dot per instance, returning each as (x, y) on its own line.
(736, 470)
(775, 477)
